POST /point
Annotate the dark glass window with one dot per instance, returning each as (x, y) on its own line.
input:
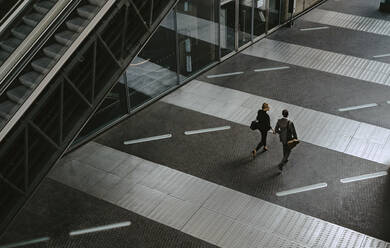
(113, 107)
(155, 69)
(259, 18)
(227, 30)
(245, 22)
(274, 13)
(197, 27)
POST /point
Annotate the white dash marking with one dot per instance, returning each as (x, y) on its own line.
(364, 177)
(206, 130)
(302, 189)
(100, 228)
(165, 136)
(388, 102)
(316, 28)
(272, 69)
(23, 243)
(225, 74)
(382, 55)
(370, 105)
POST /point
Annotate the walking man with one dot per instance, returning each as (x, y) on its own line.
(264, 126)
(286, 130)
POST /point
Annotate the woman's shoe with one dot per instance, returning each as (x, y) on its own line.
(265, 148)
(253, 153)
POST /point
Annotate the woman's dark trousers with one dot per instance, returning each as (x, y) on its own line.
(263, 141)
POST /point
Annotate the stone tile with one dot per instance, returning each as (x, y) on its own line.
(262, 214)
(141, 171)
(208, 225)
(126, 166)
(195, 190)
(83, 152)
(162, 179)
(227, 202)
(77, 175)
(370, 242)
(174, 212)
(117, 192)
(240, 235)
(104, 186)
(106, 158)
(141, 200)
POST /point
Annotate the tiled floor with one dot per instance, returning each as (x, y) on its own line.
(207, 211)
(318, 128)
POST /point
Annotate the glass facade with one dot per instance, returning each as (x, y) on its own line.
(195, 35)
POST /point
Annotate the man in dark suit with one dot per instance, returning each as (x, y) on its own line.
(286, 130)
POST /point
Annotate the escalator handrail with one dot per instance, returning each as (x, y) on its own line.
(56, 68)
(12, 14)
(29, 46)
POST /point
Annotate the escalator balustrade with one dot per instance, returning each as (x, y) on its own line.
(40, 66)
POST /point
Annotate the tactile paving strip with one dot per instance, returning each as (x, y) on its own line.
(359, 23)
(340, 64)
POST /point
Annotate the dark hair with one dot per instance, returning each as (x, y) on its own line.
(285, 113)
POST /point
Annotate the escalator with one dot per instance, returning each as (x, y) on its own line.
(23, 26)
(54, 88)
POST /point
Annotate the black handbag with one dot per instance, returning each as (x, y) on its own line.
(254, 125)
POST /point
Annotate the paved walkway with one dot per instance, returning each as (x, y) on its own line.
(318, 128)
(195, 206)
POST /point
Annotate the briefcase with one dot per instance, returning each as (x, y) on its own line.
(292, 143)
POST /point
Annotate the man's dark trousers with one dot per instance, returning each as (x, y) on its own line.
(286, 153)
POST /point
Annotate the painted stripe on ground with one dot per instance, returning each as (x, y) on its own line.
(24, 243)
(302, 189)
(207, 130)
(388, 102)
(316, 28)
(369, 105)
(100, 228)
(353, 22)
(330, 131)
(364, 177)
(165, 136)
(381, 56)
(272, 69)
(225, 74)
(205, 210)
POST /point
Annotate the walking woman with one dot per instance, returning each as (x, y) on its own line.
(264, 126)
